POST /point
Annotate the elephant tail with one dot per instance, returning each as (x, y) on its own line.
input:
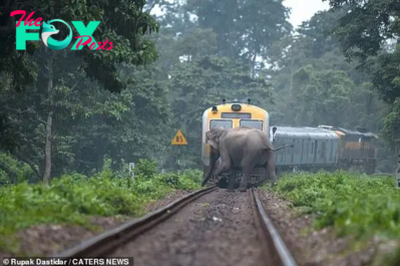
(283, 147)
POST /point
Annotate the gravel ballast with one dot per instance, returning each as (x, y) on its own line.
(217, 229)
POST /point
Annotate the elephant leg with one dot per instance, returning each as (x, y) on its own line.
(232, 180)
(247, 168)
(271, 168)
(243, 182)
(223, 167)
(247, 165)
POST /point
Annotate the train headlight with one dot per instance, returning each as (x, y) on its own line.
(236, 107)
(214, 109)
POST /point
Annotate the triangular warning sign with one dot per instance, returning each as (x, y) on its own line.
(179, 139)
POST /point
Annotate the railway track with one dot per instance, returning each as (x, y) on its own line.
(105, 244)
(280, 254)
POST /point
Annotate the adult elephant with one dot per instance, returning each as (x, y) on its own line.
(240, 147)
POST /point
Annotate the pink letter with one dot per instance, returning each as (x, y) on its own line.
(103, 47)
(37, 22)
(91, 47)
(98, 48)
(80, 41)
(18, 12)
(111, 46)
(29, 20)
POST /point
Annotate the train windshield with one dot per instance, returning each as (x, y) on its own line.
(221, 123)
(252, 123)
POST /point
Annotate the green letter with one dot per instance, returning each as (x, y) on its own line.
(82, 30)
(22, 36)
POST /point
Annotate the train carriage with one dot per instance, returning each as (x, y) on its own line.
(325, 147)
(313, 148)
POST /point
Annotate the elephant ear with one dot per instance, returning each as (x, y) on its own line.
(210, 139)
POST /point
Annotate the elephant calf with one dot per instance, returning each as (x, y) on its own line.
(240, 147)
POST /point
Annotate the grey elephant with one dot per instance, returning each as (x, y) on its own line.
(241, 147)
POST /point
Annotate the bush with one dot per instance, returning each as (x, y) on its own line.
(13, 171)
(193, 174)
(145, 169)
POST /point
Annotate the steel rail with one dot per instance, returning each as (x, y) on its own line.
(105, 243)
(281, 254)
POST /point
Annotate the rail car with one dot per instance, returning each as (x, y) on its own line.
(314, 148)
(325, 147)
(357, 148)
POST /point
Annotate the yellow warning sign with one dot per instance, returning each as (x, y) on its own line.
(179, 139)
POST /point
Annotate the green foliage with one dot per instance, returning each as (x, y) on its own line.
(327, 93)
(74, 198)
(13, 171)
(392, 123)
(193, 174)
(242, 25)
(358, 205)
(189, 179)
(145, 169)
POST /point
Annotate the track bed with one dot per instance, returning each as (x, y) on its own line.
(217, 229)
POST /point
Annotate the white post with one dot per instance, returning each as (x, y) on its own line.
(398, 163)
(131, 168)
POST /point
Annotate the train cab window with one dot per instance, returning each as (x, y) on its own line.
(251, 123)
(221, 123)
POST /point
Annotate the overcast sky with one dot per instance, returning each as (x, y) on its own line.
(301, 10)
(304, 9)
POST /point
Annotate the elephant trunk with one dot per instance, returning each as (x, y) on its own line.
(213, 158)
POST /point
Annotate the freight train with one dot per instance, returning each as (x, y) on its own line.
(312, 148)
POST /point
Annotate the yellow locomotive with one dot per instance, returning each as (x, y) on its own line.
(232, 115)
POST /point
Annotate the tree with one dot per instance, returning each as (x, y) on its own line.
(326, 94)
(245, 29)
